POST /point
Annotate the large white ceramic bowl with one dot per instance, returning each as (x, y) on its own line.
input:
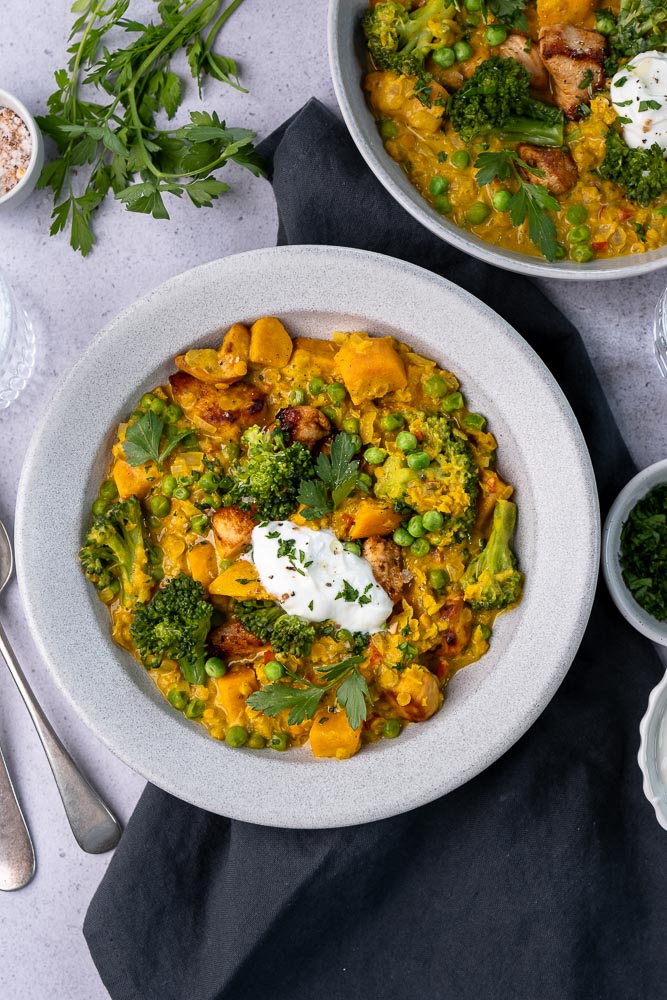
(347, 57)
(315, 290)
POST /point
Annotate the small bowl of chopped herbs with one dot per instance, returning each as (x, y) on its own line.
(634, 552)
(21, 151)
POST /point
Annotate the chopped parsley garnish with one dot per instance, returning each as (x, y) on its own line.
(287, 548)
(649, 106)
(348, 593)
(586, 79)
(643, 552)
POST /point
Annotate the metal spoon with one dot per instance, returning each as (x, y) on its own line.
(94, 826)
(17, 855)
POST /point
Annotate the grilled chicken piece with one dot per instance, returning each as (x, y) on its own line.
(232, 641)
(456, 636)
(518, 47)
(304, 423)
(574, 58)
(560, 170)
(393, 95)
(222, 406)
(385, 560)
(233, 530)
(416, 696)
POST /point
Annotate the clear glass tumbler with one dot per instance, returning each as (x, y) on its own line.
(17, 345)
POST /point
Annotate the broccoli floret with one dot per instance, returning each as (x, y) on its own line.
(496, 99)
(491, 580)
(641, 26)
(400, 40)
(258, 617)
(116, 552)
(449, 484)
(294, 635)
(269, 475)
(267, 620)
(175, 625)
(641, 173)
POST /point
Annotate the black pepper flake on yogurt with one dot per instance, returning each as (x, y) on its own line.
(15, 149)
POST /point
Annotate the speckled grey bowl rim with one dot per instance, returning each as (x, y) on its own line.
(345, 60)
(488, 706)
(631, 493)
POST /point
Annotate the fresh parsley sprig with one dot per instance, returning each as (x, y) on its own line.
(303, 701)
(510, 12)
(102, 117)
(336, 478)
(143, 438)
(529, 201)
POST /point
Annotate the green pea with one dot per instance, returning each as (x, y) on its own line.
(444, 57)
(181, 493)
(353, 548)
(336, 392)
(154, 522)
(236, 736)
(375, 456)
(473, 5)
(364, 479)
(392, 422)
(256, 741)
(391, 729)
(452, 402)
(560, 252)
(195, 708)
(501, 200)
(274, 670)
(388, 129)
(208, 482)
(576, 214)
(351, 425)
(159, 505)
(200, 524)
(178, 698)
(477, 213)
(420, 547)
(297, 397)
(438, 579)
(403, 537)
(582, 254)
(462, 51)
(442, 204)
(436, 386)
(605, 22)
(356, 442)
(460, 159)
(316, 386)
(108, 490)
(211, 500)
(168, 485)
(406, 441)
(433, 520)
(475, 421)
(438, 186)
(172, 414)
(495, 34)
(147, 400)
(485, 631)
(99, 506)
(279, 741)
(157, 573)
(418, 460)
(343, 635)
(215, 667)
(330, 412)
(158, 406)
(581, 234)
(416, 526)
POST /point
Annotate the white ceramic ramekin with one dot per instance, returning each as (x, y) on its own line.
(16, 195)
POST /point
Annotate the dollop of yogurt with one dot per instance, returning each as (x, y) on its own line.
(639, 95)
(312, 575)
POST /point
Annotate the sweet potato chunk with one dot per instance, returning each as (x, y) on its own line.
(232, 690)
(563, 11)
(373, 517)
(203, 563)
(228, 364)
(314, 356)
(333, 736)
(133, 480)
(232, 407)
(270, 343)
(370, 367)
(241, 581)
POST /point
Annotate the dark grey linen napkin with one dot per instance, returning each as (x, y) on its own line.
(544, 878)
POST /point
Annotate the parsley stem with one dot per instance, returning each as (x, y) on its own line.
(217, 25)
(168, 38)
(94, 14)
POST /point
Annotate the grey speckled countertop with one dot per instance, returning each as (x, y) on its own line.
(44, 954)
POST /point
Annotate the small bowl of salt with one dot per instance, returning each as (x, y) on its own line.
(21, 151)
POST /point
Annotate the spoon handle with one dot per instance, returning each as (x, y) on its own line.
(17, 856)
(94, 826)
